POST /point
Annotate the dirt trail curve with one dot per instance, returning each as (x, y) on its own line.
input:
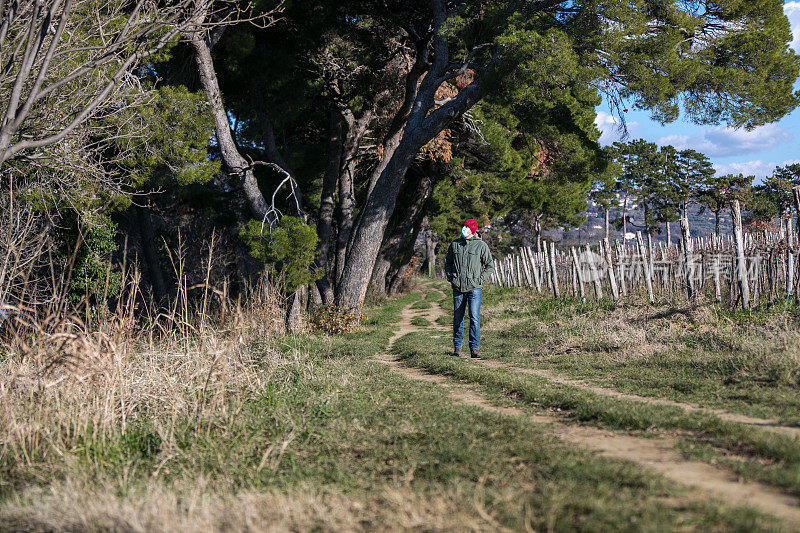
(658, 454)
(767, 424)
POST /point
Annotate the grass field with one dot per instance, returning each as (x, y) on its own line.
(323, 435)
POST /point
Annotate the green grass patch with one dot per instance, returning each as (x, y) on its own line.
(695, 355)
(421, 351)
(329, 420)
(421, 321)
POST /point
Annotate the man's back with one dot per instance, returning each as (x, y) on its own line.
(468, 263)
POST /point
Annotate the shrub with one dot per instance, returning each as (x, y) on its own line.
(288, 249)
(332, 321)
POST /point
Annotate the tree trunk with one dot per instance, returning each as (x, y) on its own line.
(716, 222)
(397, 280)
(368, 232)
(294, 307)
(325, 221)
(406, 253)
(147, 236)
(406, 223)
(424, 122)
(355, 131)
(430, 252)
(233, 160)
(607, 223)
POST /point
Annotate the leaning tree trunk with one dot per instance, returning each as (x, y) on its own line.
(368, 233)
(424, 122)
(380, 202)
(430, 248)
(233, 160)
(407, 221)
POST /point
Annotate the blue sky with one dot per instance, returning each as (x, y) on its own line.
(756, 152)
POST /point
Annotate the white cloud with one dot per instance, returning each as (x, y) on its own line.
(610, 128)
(792, 11)
(758, 168)
(721, 141)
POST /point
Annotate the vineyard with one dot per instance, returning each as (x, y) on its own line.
(744, 269)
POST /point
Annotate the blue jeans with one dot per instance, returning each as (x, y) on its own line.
(462, 300)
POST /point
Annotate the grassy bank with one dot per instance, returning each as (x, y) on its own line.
(310, 432)
(746, 363)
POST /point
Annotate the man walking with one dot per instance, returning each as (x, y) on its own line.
(467, 265)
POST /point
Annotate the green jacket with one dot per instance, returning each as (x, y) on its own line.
(468, 263)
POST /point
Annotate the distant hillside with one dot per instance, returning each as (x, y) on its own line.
(593, 228)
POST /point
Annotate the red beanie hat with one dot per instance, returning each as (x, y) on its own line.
(471, 224)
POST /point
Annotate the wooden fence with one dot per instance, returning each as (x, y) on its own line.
(740, 270)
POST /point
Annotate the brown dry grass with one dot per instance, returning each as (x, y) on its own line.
(96, 507)
(637, 330)
(74, 376)
(60, 386)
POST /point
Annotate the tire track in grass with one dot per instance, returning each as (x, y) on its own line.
(658, 454)
(762, 423)
(767, 424)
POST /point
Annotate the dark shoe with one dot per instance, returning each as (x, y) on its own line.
(456, 352)
(474, 354)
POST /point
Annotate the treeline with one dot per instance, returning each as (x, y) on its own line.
(662, 183)
(314, 141)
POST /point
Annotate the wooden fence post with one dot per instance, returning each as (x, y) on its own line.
(553, 272)
(621, 268)
(645, 267)
(579, 274)
(535, 268)
(688, 256)
(612, 280)
(741, 264)
(598, 289)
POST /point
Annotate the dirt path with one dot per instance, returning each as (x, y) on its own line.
(658, 454)
(762, 423)
(767, 424)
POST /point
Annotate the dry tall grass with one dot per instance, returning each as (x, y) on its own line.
(766, 347)
(71, 507)
(73, 376)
